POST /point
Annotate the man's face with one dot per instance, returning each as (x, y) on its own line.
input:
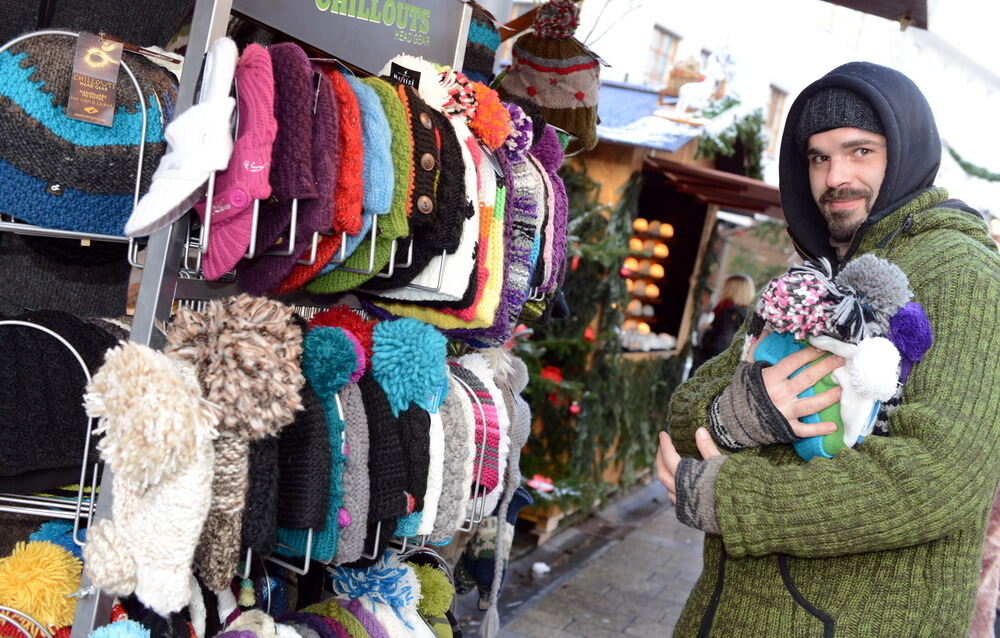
(846, 168)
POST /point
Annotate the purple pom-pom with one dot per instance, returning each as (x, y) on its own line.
(521, 131)
(910, 331)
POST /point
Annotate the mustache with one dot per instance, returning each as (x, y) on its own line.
(845, 193)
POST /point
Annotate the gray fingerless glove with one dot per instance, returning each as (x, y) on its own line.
(743, 415)
(695, 486)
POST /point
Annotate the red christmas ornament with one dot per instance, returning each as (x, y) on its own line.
(625, 272)
(574, 408)
(589, 335)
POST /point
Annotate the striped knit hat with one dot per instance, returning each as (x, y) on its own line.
(487, 426)
(63, 173)
(553, 68)
(481, 49)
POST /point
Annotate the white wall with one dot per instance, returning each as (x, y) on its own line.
(790, 43)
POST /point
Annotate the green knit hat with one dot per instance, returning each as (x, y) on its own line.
(392, 226)
(554, 69)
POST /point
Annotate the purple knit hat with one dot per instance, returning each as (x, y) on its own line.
(366, 618)
(268, 271)
(549, 153)
(291, 158)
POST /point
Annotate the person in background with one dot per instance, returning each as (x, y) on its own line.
(728, 315)
(884, 539)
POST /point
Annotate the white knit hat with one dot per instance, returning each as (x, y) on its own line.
(435, 475)
(158, 434)
(199, 141)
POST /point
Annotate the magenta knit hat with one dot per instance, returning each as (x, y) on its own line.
(291, 156)
(249, 169)
(314, 215)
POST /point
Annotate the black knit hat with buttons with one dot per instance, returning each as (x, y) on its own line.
(832, 108)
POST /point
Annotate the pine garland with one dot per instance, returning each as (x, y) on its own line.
(972, 169)
(746, 130)
(566, 367)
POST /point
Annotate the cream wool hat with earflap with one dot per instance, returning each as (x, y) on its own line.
(162, 475)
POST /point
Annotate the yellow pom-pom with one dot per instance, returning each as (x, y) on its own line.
(37, 578)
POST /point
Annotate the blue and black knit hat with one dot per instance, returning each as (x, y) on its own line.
(67, 174)
(481, 50)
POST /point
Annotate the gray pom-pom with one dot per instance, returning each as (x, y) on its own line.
(881, 285)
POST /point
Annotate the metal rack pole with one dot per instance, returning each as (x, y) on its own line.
(156, 289)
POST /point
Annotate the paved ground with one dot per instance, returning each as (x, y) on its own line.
(626, 571)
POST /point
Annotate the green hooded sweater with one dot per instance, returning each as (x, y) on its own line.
(883, 540)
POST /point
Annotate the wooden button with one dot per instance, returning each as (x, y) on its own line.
(427, 161)
(425, 205)
(426, 120)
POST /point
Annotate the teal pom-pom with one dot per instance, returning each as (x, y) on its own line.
(408, 361)
(328, 359)
(121, 629)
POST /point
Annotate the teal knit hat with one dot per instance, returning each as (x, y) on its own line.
(328, 361)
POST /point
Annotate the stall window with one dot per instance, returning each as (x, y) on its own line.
(775, 111)
(661, 54)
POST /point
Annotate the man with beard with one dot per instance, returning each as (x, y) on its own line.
(884, 538)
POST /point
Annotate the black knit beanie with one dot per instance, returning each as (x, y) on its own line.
(41, 406)
(260, 516)
(414, 429)
(387, 463)
(835, 107)
(304, 466)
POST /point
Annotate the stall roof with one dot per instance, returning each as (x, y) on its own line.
(727, 190)
(914, 12)
(627, 115)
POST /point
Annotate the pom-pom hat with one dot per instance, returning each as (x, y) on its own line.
(552, 68)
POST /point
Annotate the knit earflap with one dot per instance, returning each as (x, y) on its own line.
(162, 469)
(555, 70)
(409, 363)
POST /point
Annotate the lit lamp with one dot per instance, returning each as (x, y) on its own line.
(666, 230)
(630, 284)
(640, 225)
(634, 307)
(635, 244)
(661, 250)
(631, 263)
(656, 271)
(630, 324)
(652, 291)
(643, 328)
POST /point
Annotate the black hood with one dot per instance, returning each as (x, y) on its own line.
(914, 151)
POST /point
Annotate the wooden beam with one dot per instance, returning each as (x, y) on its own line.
(684, 333)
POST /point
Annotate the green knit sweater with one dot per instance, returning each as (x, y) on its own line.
(884, 539)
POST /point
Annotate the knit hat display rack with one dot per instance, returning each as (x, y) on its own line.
(50, 506)
(9, 223)
(5, 618)
(197, 241)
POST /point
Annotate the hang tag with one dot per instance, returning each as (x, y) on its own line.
(438, 398)
(95, 76)
(404, 76)
(600, 60)
(491, 156)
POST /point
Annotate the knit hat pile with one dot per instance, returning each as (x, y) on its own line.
(851, 315)
(67, 174)
(554, 69)
(247, 353)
